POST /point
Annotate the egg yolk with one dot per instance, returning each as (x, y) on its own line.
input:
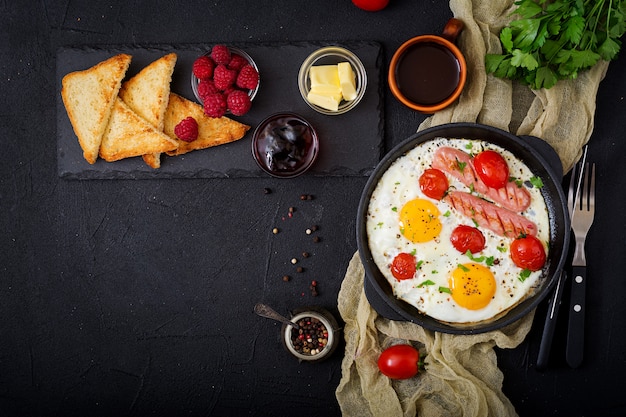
(472, 285)
(419, 221)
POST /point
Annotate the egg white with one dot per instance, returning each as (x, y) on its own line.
(438, 257)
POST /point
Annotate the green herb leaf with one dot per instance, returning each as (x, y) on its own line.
(445, 289)
(555, 40)
(427, 282)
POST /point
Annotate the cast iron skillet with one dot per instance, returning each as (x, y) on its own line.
(542, 161)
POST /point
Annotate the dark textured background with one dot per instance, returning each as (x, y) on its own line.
(134, 297)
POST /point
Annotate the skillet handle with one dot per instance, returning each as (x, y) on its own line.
(576, 330)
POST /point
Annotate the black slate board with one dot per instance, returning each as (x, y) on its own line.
(350, 144)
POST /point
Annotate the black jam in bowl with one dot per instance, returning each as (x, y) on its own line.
(285, 145)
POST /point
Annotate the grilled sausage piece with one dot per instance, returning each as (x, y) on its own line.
(459, 164)
(502, 221)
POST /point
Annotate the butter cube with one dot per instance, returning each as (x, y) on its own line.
(327, 102)
(327, 75)
(346, 80)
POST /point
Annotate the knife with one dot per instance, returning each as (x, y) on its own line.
(550, 323)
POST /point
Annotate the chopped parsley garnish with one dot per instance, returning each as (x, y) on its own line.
(524, 275)
(427, 282)
(445, 289)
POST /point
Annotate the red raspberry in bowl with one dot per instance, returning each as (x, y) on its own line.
(215, 105)
(220, 54)
(187, 129)
(237, 62)
(203, 67)
(206, 87)
(224, 77)
(248, 77)
(238, 102)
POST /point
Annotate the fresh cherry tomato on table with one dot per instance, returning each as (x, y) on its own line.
(492, 169)
(527, 252)
(399, 362)
(403, 266)
(371, 5)
(433, 183)
(465, 238)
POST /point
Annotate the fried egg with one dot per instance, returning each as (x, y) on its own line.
(448, 285)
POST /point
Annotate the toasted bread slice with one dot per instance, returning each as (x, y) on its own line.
(147, 94)
(128, 135)
(89, 96)
(211, 131)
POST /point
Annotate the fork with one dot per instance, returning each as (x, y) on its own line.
(582, 218)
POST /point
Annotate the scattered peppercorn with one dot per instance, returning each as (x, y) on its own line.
(292, 209)
(314, 228)
(305, 254)
(299, 269)
(275, 230)
(286, 278)
(304, 197)
(267, 190)
(294, 261)
(317, 239)
(308, 231)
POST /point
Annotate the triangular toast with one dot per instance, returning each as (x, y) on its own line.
(147, 94)
(129, 135)
(89, 96)
(211, 131)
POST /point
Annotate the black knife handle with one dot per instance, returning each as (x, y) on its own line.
(576, 329)
(550, 325)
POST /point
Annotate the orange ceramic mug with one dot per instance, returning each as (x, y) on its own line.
(428, 72)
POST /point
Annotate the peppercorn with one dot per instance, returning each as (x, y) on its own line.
(267, 190)
(317, 239)
(305, 254)
(312, 337)
(299, 269)
(275, 230)
(286, 278)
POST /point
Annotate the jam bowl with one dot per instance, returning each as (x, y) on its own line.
(285, 145)
(316, 339)
(234, 51)
(333, 55)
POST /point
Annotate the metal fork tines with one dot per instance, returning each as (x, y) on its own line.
(581, 219)
(583, 213)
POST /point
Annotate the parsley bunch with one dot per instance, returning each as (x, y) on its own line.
(554, 40)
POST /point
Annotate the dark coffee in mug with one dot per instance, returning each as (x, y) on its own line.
(427, 73)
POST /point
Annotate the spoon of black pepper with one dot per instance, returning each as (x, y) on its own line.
(264, 310)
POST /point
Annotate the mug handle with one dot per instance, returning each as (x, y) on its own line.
(452, 29)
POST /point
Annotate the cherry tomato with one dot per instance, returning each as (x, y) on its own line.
(492, 169)
(399, 362)
(403, 266)
(527, 252)
(433, 183)
(371, 5)
(465, 238)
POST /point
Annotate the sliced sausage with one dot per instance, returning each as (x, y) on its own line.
(459, 164)
(501, 221)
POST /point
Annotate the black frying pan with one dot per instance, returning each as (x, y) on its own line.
(542, 161)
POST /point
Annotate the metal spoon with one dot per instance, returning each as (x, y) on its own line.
(264, 310)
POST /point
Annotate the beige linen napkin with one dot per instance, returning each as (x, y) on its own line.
(462, 377)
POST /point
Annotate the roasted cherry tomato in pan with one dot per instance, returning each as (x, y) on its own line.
(433, 183)
(399, 362)
(492, 169)
(403, 266)
(527, 252)
(371, 5)
(465, 238)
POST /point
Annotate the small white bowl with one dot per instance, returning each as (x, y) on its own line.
(332, 55)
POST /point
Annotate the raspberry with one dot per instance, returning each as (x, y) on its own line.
(223, 77)
(248, 77)
(220, 54)
(238, 102)
(187, 129)
(237, 62)
(206, 87)
(215, 105)
(203, 67)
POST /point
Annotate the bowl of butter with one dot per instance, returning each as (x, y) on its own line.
(332, 80)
